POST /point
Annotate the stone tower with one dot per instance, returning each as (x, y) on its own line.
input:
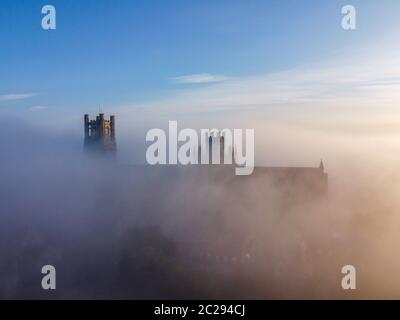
(100, 134)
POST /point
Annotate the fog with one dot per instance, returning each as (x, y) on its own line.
(117, 230)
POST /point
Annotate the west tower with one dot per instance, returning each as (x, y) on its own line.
(100, 134)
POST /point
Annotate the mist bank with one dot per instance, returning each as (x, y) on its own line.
(120, 231)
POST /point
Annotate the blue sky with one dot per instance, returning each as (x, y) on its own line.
(114, 53)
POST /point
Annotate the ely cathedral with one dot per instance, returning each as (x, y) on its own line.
(209, 202)
(100, 139)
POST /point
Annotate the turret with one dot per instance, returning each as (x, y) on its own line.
(101, 124)
(112, 126)
(86, 120)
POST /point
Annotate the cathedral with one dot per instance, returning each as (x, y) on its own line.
(100, 139)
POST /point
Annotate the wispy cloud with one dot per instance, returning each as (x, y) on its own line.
(200, 78)
(338, 88)
(16, 96)
(37, 108)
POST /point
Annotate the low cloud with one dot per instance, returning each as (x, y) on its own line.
(202, 235)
